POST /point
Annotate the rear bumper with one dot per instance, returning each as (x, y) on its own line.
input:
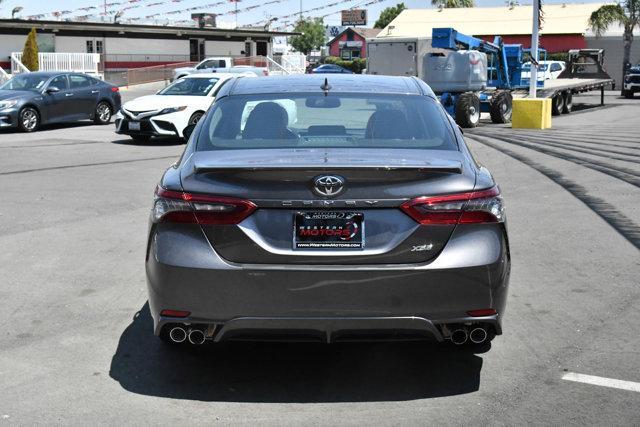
(327, 301)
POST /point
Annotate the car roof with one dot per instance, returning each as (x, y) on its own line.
(49, 73)
(220, 75)
(344, 83)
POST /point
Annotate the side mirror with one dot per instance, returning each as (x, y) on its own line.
(186, 132)
(52, 89)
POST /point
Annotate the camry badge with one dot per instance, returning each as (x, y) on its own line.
(328, 185)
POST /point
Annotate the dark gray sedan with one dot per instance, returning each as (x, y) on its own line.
(330, 209)
(32, 99)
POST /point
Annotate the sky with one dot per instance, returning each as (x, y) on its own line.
(33, 7)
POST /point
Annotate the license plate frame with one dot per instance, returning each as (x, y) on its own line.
(328, 230)
(134, 126)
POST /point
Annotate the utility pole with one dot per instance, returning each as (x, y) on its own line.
(301, 10)
(533, 84)
(105, 7)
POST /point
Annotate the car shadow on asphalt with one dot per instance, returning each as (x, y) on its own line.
(53, 126)
(163, 142)
(290, 372)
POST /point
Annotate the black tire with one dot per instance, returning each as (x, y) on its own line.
(28, 119)
(568, 102)
(468, 110)
(501, 107)
(102, 114)
(141, 138)
(628, 94)
(195, 117)
(557, 104)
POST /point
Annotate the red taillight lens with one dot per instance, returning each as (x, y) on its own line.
(176, 206)
(482, 312)
(174, 313)
(115, 89)
(462, 208)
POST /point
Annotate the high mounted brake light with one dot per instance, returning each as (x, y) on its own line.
(473, 207)
(176, 206)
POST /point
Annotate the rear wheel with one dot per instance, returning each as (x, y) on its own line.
(141, 138)
(501, 107)
(568, 102)
(28, 119)
(468, 110)
(102, 115)
(557, 104)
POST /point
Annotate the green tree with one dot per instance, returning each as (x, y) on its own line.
(389, 14)
(30, 52)
(312, 37)
(452, 3)
(625, 14)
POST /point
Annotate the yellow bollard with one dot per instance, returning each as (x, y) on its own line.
(531, 113)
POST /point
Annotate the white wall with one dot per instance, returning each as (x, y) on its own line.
(117, 45)
(69, 44)
(221, 48)
(10, 43)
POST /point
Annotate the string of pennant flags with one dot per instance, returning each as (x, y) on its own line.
(286, 22)
(113, 7)
(126, 5)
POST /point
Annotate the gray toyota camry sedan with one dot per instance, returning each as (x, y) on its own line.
(327, 208)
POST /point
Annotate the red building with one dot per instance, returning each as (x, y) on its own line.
(351, 43)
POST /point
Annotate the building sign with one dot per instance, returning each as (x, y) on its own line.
(350, 43)
(354, 17)
(332, 31)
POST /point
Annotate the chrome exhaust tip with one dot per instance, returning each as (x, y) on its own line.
(178, 334)
(196, 336)
(478, 335)
(459, 336)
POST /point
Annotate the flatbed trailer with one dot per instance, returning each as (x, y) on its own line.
(561, 91)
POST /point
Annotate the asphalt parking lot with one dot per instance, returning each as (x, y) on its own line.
(76, 344)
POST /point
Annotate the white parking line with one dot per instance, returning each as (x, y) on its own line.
(602, 381)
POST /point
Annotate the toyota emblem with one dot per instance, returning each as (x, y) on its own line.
(328, 185)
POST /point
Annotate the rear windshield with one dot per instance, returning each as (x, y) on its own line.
(301, 120)
(190, 86)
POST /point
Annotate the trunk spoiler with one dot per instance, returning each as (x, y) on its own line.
(454, 167)
(205, 162)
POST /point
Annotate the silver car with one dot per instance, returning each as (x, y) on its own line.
(327, 208)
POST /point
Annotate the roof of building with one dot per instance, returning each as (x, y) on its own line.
(517, 20)
(123, 29)
(342, 83)
(366, 33)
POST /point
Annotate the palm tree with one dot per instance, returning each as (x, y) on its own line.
(452, 3)
(625, 14)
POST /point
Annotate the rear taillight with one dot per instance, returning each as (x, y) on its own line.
(176, 206)
(115, 89)
(461, 208)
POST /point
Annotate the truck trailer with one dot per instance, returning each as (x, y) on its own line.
(440, 62)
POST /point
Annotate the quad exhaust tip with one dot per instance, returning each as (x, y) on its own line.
(459, 336)
(478, 335)
(178, 334)
(196, 337)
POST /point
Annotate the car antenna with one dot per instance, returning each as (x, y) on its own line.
(325, 87)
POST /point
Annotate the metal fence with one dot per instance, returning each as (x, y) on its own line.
(154, 73)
